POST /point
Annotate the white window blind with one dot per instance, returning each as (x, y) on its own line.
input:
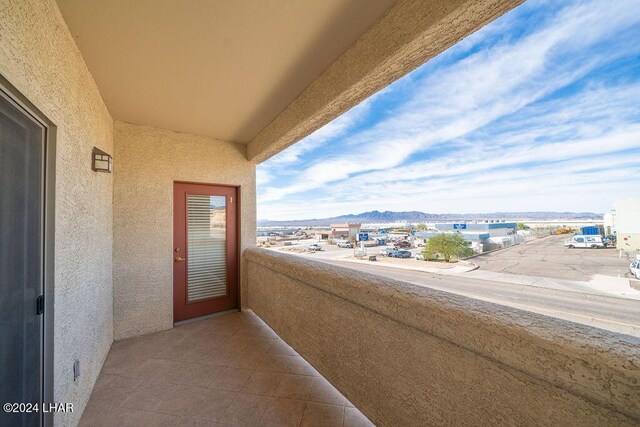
(207, 249)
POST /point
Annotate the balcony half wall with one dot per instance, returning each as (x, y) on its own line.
(410, 355)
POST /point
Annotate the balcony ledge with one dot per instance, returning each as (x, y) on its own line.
(586, 372)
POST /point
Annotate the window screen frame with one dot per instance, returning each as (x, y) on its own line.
(13, 95)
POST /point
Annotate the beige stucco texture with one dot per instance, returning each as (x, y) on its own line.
(147, 161)
(407, 355)
(39, 57)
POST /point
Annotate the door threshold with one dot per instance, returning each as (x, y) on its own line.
(206, 316)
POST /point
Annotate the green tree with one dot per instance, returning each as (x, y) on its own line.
(451, 246)
(421, 227)
(521, 226)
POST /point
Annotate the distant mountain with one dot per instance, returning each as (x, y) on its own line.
(417, 217)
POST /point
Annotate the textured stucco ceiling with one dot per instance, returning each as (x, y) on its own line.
(217, 68)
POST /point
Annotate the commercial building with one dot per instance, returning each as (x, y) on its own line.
(561, 223)
(123, 123)
(482, 236)
(386, 226)
(477, 241)
(609, 220)
(493, 229)
(321, 236)
(345, 231)
(627, 225)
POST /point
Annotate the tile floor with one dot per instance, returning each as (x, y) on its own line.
(231, 370)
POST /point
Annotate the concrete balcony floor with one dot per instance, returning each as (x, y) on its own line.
(227, 370)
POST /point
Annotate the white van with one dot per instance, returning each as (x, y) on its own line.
(585, 241)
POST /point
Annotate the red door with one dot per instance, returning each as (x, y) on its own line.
(205, 249)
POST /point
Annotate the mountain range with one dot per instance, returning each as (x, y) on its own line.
(417, 217)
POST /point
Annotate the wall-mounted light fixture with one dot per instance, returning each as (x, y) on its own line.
(101, 161)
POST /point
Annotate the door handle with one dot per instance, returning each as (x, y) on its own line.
(179, 259)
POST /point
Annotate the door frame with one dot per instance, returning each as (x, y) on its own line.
(13, 95)
(238, 233)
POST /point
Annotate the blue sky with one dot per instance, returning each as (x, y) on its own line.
(539, 110)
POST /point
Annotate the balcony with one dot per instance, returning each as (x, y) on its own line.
(403, 354)
(410, 355)
(201, 94)
(232, 369)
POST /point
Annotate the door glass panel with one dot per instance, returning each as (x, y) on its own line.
(206, 247)
(21, 186)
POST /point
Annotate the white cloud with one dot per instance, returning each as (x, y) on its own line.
(449, 108)
(263, 177)
(331, 130)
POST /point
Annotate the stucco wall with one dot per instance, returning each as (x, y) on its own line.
(410, 355)
(146, 163)
(39, 57)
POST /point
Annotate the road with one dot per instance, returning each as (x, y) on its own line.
(610, 313)
(543, 257)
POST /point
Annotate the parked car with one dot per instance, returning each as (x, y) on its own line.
(585, 241)
(387, 251)
(634, 267)
(402, 244)
(314, 247)
(345, 245)
(420, 257)
(401, 254)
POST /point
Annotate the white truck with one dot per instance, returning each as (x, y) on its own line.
(634, 267)
(585, 241)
